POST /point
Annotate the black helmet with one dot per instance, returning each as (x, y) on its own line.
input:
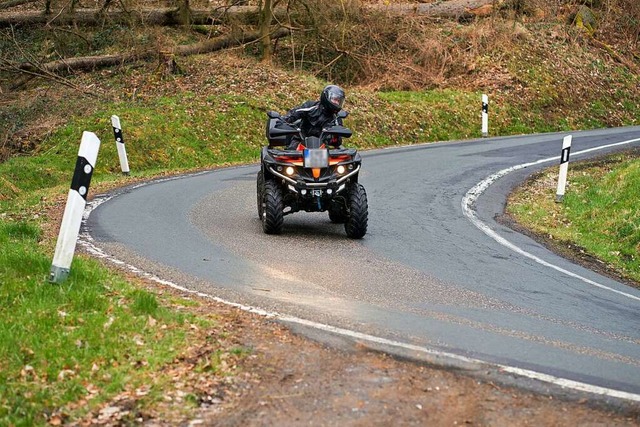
(332, 98)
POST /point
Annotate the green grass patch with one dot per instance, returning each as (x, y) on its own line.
(85, 340)
(435, 115)
(599, 213)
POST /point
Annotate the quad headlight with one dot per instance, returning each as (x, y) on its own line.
(290, 170)
(341, 169)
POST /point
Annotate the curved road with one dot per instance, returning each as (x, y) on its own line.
(435, 275)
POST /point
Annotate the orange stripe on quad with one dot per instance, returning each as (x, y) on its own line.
(293, 161)
(316, 172)
(337, 159)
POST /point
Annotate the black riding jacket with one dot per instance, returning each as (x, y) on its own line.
(314, 117)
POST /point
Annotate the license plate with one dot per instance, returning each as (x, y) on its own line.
(316, 158)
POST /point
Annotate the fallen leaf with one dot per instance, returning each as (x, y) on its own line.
(151, 322)
(108, 412)
(65, 373)
(92, 389)
(109, 322)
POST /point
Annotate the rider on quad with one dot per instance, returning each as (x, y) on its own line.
(317, 115)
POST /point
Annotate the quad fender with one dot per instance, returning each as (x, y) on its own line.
(277, 131)
(338, 131)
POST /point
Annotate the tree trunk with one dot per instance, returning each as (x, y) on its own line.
(250, 15)
(223, 43)
(12, 3)
(69, 65)
(452, 9)
(184, 12)
(84, 63)
(159, 16)
(265, 30)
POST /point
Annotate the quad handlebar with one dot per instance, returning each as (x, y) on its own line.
(278, 129)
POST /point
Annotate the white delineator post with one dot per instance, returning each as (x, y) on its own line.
(122, 152)
(485, 116)
(564, 167)
(76, 202)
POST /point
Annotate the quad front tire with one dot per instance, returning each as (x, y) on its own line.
(358, 218)
(272, 207)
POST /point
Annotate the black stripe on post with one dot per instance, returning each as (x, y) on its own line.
(565, 155)
(82, 177)
(118, 134)
(485, 107)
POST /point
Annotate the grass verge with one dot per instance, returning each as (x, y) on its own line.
(65, 350)
(599, 215)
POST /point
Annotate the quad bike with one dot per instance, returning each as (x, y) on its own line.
(315, 177)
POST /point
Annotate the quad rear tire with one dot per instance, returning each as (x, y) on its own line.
(356, 224)
(272, 207)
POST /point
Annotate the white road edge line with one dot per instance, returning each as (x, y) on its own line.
(87, 242)
(474, 193)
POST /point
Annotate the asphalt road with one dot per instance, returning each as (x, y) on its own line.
(425, 275)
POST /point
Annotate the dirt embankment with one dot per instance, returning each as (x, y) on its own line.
(288, 380)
